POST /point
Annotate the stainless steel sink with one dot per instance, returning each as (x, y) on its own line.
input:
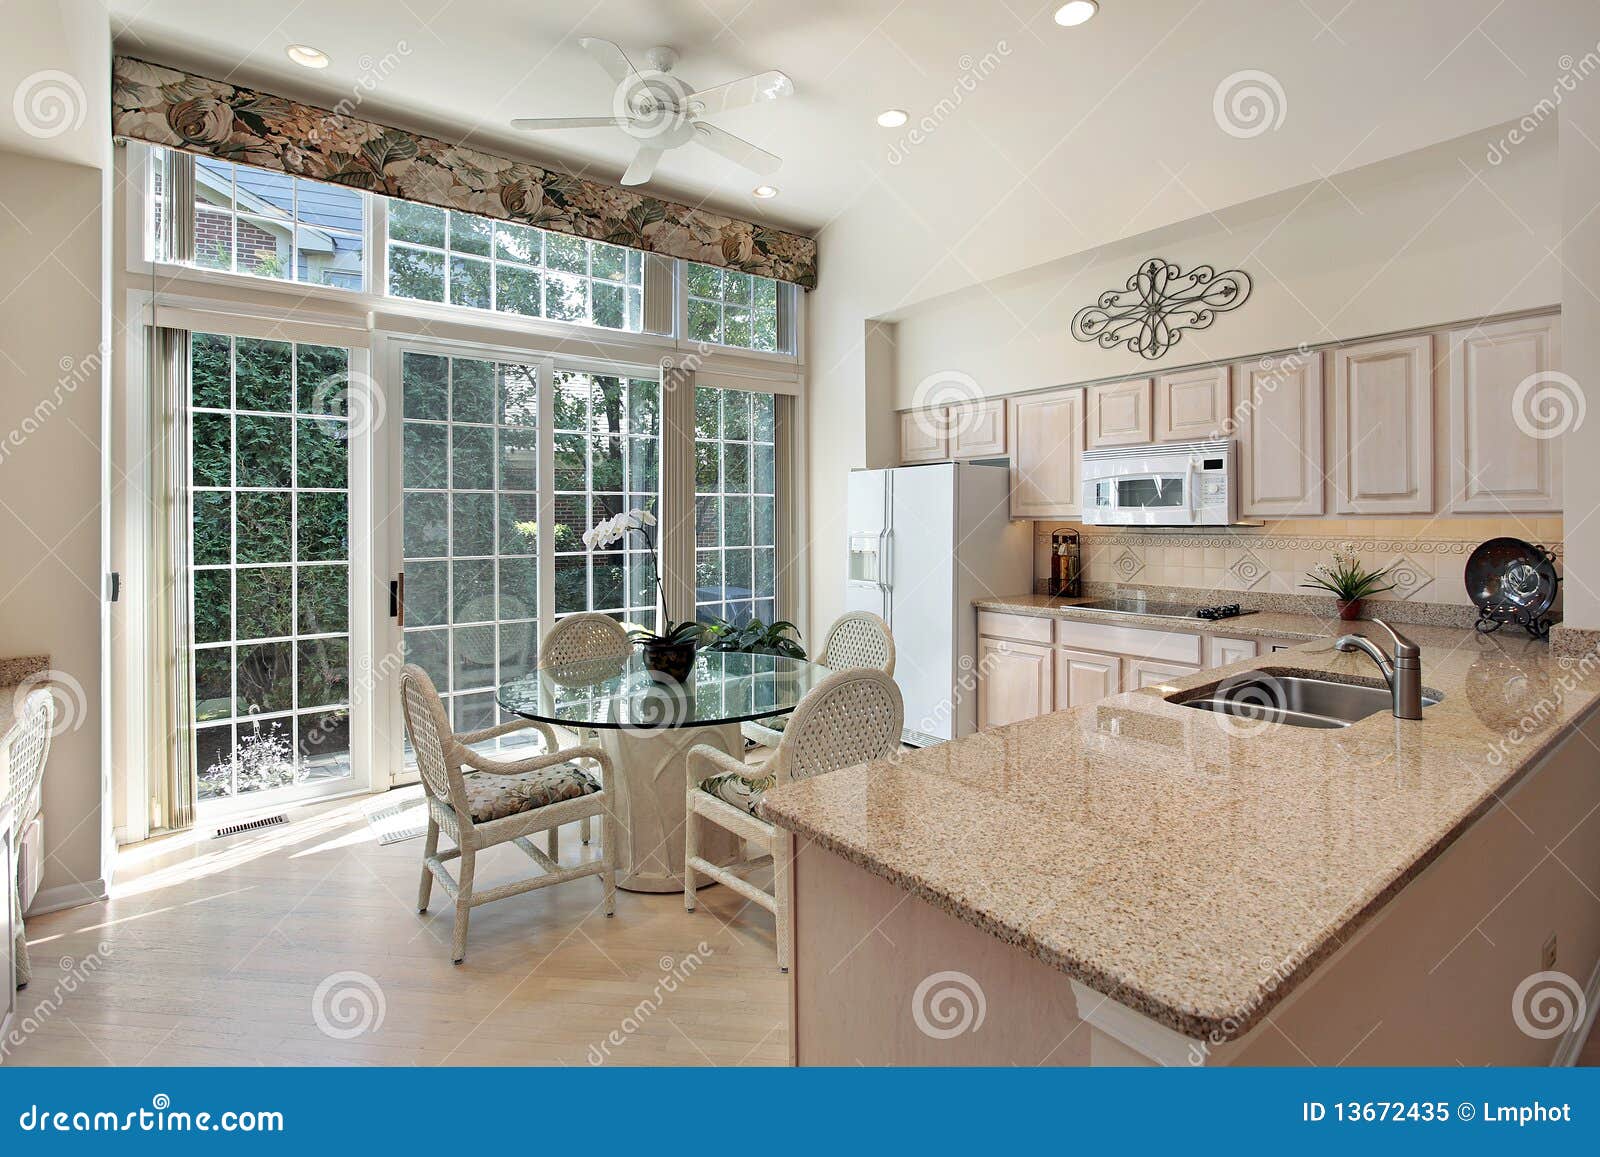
(1294, 700)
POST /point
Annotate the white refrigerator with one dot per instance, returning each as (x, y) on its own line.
(925, 541)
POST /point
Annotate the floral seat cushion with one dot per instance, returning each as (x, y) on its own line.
(494, 797)
(736, 789)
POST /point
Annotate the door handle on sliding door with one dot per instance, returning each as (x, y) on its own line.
(397, 599)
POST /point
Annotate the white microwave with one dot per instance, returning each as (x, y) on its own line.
(1161, 484)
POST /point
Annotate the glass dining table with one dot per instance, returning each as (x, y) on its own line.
(646, 724)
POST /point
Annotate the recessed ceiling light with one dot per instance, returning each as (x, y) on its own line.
(893, 118)
(764, 191)
(1075, 12)
(306, 56)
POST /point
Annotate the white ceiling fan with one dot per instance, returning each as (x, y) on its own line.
(661, 112)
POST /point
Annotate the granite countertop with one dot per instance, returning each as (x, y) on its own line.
(1189, 865)
(1261, 624)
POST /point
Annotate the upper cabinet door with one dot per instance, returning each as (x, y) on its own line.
(925, 435)
(1046, 454)
(1119, 414)
(978, 429)
(1383, 427)
(1505, 450)
(1192, 405)
(1280, 437)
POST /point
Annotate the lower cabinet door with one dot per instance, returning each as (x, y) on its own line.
(1013, 681)
(1149, 673)
(1085, 677)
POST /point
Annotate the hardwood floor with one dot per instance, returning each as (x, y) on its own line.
(277, 946)
(300, 944)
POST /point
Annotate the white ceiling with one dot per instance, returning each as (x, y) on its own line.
(1074, 137)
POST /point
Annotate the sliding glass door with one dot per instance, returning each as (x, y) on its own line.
(469, 472)
(269, 570)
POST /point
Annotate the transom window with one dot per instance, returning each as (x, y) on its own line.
(249, 220)
(447, 256)
(270, 564)
(735, 504)
(733, 309)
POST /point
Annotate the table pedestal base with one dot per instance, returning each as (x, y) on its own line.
(648, 788)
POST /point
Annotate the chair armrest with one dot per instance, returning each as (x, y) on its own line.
(536, 762)
(703, 760)
(469, 737)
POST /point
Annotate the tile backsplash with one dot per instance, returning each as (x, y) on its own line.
(1430, 553)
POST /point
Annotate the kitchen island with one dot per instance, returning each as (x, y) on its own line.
(1134, 881)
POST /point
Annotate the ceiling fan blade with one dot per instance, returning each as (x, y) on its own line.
(532, 124)
(643, 165)
(740, 152)
(738, 93)
(611, 58)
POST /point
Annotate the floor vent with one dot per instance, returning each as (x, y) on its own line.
(235, 829)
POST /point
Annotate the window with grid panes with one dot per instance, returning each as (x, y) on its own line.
(607, 460)
(735, 505)
(269, 564)
(249, 220)
(730, 308)
(469, 475)
(449, 256)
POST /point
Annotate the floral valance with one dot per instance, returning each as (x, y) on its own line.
(166, 106)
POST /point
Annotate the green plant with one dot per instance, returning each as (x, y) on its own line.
(754, 637)
(1347, 579)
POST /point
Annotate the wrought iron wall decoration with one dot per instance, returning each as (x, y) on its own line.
(1158, 303)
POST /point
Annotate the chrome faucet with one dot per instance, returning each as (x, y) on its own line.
(1404, 674)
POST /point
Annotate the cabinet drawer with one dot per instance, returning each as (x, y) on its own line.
(1140, 673)
(1027, 628)
(1135, 642)
(1220, 651)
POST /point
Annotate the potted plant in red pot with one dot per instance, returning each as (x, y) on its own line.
(670, 651)
(1348, 581)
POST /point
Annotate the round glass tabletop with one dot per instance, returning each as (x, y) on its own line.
(725, 687)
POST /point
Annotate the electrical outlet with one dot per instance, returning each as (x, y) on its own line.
(1547, 956)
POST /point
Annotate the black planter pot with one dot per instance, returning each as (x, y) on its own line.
(673, 660)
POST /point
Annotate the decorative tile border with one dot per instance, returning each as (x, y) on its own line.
(1173, 539)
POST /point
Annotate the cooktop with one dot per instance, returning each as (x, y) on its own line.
(1123, 604)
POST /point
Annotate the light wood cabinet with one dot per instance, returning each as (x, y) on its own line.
(1014, 681)
(1383, 427)
(1119, 413)
(1192, 405)
(1046, 435)
(1221, 651)
(924, 435)
(978, 429)
(1085, 677)
(1153, 673)
(1505, 445)
(1280, 437)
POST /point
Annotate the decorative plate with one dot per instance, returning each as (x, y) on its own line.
(1511, 581)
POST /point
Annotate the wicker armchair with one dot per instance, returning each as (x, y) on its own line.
(848, 718)
(27, 748)
(856, 639)
(582, 642)
(496, 803)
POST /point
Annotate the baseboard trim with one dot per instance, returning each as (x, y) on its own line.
(67, 896)
(1572, 1043)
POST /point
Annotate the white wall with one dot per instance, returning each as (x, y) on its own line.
(1580, 337)
(54, 249)
(1438, 236)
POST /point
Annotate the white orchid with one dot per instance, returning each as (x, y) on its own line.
(616, 528)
